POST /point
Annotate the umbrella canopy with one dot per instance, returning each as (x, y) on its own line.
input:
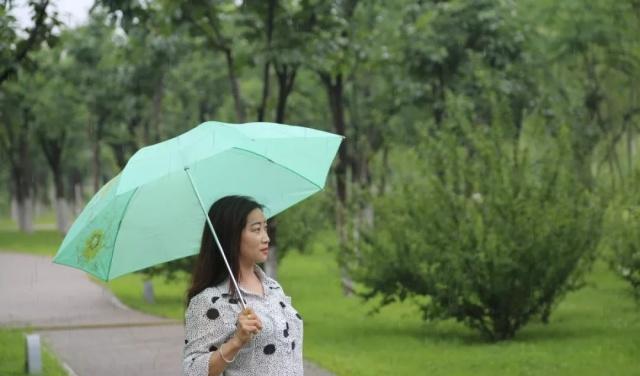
(150, 214)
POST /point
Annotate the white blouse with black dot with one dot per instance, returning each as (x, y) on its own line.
(210, 321)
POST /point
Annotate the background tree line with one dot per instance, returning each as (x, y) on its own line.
(491, 144)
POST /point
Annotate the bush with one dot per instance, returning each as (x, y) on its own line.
(490, 233)
(621, 238)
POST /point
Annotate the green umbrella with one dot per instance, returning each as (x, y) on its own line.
(153, 211)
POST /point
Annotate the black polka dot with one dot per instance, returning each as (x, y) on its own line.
(233, 301)
(269, 349)
(298, 316)
(225, 295)
(286, 331)
(212, 348)
(214, 299)
(282, 305)
(293, 345)
(186, 341)
(213, 314)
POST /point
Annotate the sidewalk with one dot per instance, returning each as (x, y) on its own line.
(86, 326)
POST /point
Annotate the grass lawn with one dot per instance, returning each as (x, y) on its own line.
(13, 356)
(41, 242)
(169, 297)
(595, 331)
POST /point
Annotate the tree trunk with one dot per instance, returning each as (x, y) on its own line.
(267, 64)
(62, 215)
(52, 149)
(14, 209)
(440, 97)
(235, 89)
(74, 193)
(286, 77)
(334, 88)
(62, 210)
(21, 174)
(78, 201)
(271, 265)
(97, 166)
(96, 160)
(25, 214)
(336, 103)
(157, 117)
(23, 198)
(148, 292)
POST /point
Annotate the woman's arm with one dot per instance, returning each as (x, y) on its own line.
(248, 324)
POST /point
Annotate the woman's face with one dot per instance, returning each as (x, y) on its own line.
(254, 241)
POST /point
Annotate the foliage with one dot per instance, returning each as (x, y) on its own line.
(18, 43)
(621, 238)
(491, 236)
(301, 226)
(448, 43)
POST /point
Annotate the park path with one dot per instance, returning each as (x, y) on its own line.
(89, 330)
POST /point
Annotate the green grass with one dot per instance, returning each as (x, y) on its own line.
(595, 331)
(169, 297)
(46, 219)
(13, 356)
(41, 242)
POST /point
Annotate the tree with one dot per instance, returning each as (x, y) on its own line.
(96, 50)
(15, 143)
(590, 49)
(50, 89)
(44, 20)
(218, 22)
(14, 139)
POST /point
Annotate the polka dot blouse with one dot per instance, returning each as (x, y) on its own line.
(210, 321)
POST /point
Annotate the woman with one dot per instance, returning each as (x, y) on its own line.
(221, 338)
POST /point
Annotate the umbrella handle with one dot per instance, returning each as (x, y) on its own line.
(215, 236)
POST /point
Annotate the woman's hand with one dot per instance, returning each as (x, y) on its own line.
(248, 325)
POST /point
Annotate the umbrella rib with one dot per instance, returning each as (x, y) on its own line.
(281, 165)
(115, 240)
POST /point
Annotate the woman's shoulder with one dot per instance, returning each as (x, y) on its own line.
(273, 285)
(269, 282)
(205, 296)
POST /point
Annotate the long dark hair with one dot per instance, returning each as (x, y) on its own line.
(229, 217)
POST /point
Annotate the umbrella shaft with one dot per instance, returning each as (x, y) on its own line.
(215, 236)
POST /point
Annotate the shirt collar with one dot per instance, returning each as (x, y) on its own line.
(267, 283)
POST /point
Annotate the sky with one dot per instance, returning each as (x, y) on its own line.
(71, 12)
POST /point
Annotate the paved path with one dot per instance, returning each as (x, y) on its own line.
(88, 329)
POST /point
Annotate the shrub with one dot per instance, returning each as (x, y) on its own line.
(490, 233)
(621, 237)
